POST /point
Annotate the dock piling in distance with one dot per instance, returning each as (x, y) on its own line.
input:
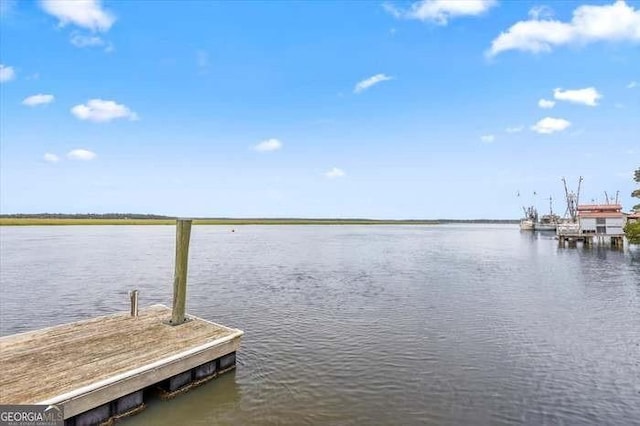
(183, 234)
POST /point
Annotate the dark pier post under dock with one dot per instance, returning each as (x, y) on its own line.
(616, 242)
(103, 368)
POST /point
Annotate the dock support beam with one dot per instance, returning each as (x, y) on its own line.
(197, 376)
(183, 233)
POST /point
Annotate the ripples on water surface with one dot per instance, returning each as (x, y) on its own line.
(362, 324)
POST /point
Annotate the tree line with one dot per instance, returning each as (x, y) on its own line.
(138, 216)
(84, 216)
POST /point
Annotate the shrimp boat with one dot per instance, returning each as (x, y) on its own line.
(552, 222)
(533, 222)
(528, 222)
(548, 222)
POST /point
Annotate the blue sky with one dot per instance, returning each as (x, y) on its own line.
(426, 109)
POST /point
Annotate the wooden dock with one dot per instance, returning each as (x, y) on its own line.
(101, 369)
(89, 364)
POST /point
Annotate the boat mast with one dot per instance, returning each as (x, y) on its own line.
(569, 211)
(566, 192)
(573, 200)
(578, 196)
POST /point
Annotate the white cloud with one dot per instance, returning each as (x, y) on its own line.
(81, 154)
(6, 73)
(87, 14)
(550, 125)
(538, 12)
(632, 84)
(371, 81)
(544, 103)
(38, 99)
(588, 96)
(614, 22)
(392, 10)
(488, 138)
(335, 173)
(268, 145)
(98, 110)
(81, 40)
(50, 158)
(440, 11)
(515, 129)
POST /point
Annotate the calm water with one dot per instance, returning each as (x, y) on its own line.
(362, 324)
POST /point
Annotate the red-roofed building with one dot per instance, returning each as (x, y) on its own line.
(601, 219)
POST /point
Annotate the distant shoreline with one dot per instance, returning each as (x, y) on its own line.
(117, 219)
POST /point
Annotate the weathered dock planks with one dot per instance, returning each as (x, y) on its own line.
(87, 364)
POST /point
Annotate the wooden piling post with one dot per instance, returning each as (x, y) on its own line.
(183, 233)
(133, 295)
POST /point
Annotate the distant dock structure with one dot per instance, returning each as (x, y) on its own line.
(102, 369)
(595, 224)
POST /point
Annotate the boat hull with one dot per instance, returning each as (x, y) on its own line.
(551, 227)
(527, 225)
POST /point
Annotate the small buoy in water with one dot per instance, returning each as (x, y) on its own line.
(233, 230)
